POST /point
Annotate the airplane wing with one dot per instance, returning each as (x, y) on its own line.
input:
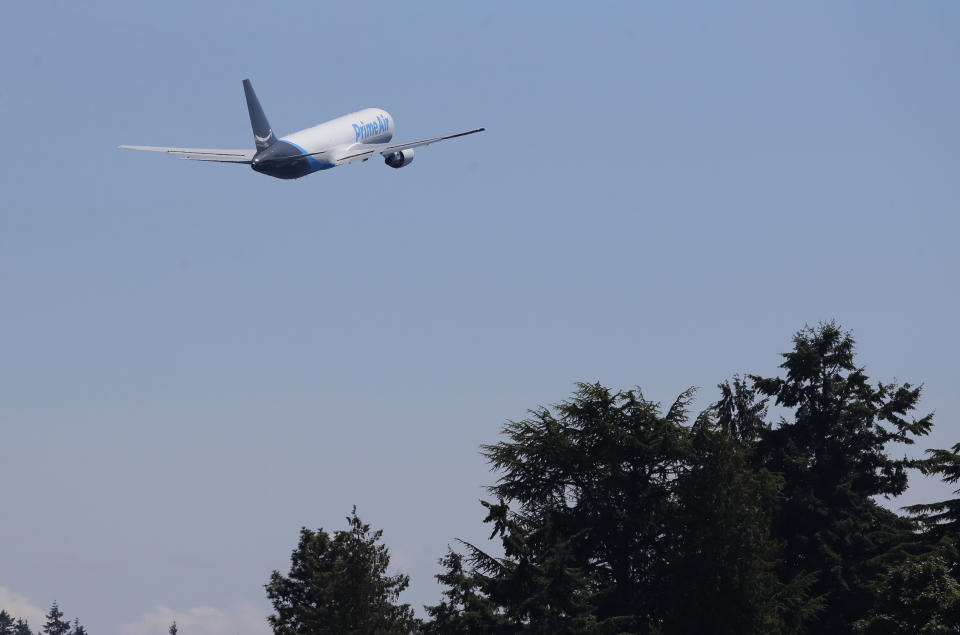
(363, 151)
(202, 154)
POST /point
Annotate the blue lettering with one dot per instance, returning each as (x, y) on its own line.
(363, 130)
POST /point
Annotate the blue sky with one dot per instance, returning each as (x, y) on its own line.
(196, 360)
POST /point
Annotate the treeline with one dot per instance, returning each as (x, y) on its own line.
(55, 624)
(615, 515)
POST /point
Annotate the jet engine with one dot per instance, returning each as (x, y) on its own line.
(399, 159)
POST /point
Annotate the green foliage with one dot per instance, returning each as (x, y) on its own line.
(339, 584)
(941, 521)
(592, 483)
(722, 575)
(56, 625)
(614, 516)
(832, 458)
(617, 517)
(538, 585)
(465, 607)
(918, 596)
(6, 623)
(741, 412)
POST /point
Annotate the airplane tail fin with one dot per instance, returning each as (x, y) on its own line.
(262, 132)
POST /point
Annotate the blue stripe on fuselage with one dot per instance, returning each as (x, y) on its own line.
(284, 160)
(311, 161)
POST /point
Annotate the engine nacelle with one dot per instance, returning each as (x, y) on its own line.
(399, 159)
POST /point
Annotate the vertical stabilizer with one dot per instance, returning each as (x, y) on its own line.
(262, 132)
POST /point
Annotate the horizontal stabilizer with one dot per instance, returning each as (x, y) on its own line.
(202, 154)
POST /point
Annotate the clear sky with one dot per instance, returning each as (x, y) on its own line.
(196, 360)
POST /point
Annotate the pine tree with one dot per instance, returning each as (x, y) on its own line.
(918, 596)
(722, 575)
(941, 521)
(587, 487)
(466, 606)
(616, 517)
(538, 585)
(6, 623)
(78, 628)
(22, 628)
(832, 458)
(173, 628)
(56, 625)
(339, 584)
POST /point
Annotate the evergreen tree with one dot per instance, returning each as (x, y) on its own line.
(173, 628)
(941, 521)
(722, 575)
(78, 628)
(538, 586)
(615, 517)
(339, 584)
(22, 628)
(6, 623)
(465, 607)
(742, 413)
(918, 596)
(591, 487)
(832, 458)
(56, 625)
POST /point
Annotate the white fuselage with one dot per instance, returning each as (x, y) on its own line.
(338, 136)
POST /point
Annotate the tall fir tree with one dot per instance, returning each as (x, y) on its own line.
(600, 469)
(538, 586)
(917, 596)
(615, 516)
(832, 456)
(55, 624)
(22, 627)
(466, 606)
(339, 584)
(721, 575)
(941, 520)
(6, 623)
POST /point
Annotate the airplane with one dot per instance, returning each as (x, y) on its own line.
(353, 137)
